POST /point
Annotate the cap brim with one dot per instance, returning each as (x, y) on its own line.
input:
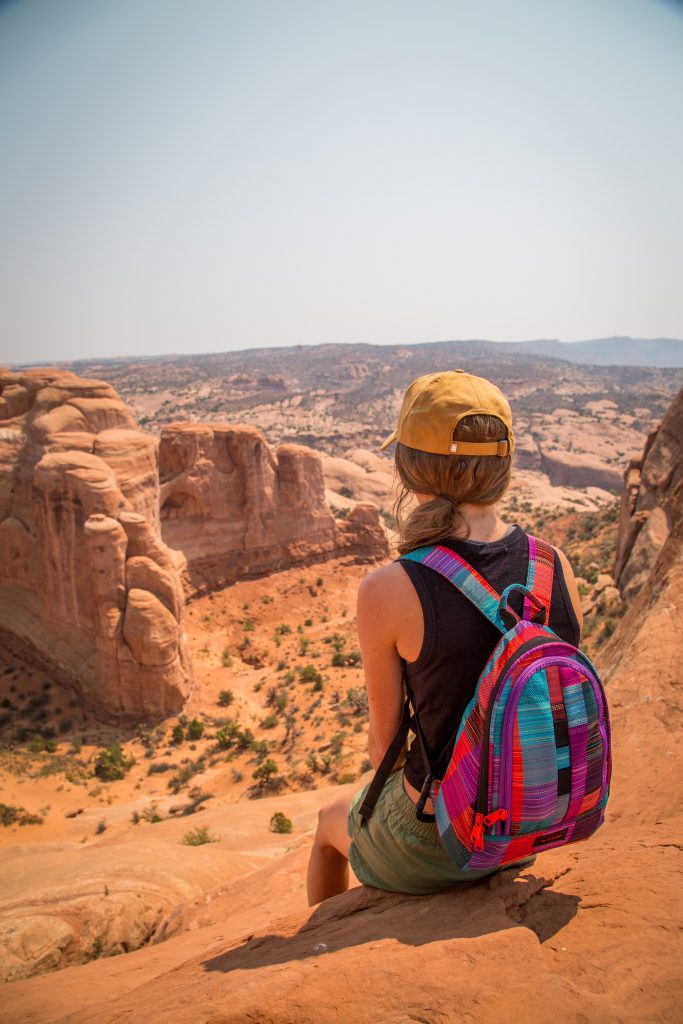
(389, 440)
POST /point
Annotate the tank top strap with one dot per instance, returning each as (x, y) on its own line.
(467, 580)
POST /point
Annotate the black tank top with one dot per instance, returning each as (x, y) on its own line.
(458, 640)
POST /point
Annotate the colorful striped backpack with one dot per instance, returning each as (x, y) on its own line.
(531, 764)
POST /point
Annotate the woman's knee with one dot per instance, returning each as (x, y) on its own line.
(332, 830)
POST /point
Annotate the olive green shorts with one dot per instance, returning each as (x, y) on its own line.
(396, 852)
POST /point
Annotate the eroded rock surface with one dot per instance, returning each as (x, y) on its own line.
(237, 509)
(87, 588)
(651, 502)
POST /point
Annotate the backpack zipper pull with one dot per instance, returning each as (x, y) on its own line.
(477, 835)
(499, 815)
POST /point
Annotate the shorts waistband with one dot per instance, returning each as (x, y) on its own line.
(405, 811)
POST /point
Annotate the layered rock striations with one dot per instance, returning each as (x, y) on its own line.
(651, 502)
(87, 588)
(236, 509)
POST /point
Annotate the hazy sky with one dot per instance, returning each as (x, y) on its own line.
(203, 175)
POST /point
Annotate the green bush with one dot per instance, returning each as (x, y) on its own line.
(195, 729)
(178, 734)
(10, 815)
(309, 674)
(227, 736)
(199, 837)
(112, 764)
(225, 698)
(280, 823)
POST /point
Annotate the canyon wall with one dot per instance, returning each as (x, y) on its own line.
(236, 509)
(651, 502)
(88, 591)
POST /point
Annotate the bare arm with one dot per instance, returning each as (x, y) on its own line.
(381, 661)
(572, 588)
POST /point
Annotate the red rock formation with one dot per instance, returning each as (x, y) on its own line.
(589, 932)
(650, 502)
(236, 509)
(87, 589)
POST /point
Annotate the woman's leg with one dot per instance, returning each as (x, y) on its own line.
(328, 868)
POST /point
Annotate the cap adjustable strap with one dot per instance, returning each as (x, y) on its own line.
(501, 448)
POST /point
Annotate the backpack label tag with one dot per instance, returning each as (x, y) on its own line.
(552, 837)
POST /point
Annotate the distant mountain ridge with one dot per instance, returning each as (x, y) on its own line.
(658, 353)
(616, 351)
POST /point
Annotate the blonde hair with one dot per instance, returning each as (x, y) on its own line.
(453, 479)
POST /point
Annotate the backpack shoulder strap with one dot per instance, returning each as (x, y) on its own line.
(539, 578)
(467, 580)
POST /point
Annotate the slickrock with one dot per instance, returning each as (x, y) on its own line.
(651, 499)
(78, 499)
(236, 509)
(590, 932)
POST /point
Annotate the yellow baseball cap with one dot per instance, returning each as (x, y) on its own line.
(433, 406)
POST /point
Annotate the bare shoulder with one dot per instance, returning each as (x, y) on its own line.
(387, 581)
(565, 563)
(572, 586)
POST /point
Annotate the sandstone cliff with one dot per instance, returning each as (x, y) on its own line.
(588, 933)
(236, 509)
(87, 589)
(651, 502)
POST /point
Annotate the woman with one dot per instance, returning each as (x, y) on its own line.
(453, 457)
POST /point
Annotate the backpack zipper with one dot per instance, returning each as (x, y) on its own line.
(481, 818)
(505, 787)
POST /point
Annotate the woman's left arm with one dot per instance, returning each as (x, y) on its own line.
(381, 661)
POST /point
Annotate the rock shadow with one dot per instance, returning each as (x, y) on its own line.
(364, 915)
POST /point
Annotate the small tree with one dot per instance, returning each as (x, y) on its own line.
(265, 772)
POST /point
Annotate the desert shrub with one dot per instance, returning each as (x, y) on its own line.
(269, 722)
(101, 827)
(112, 764)
(225, 698)
(226, 660)
(309, 674)
(177, 734)
(11, 815)
(346, 492)
(226, 737)
(199, 837)
(308, 622)
(283, 629)
(280, 823)
(358, 699)
(158, 767)
(195, 729)
(276, 699)
(184, 773)
(248, 626)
